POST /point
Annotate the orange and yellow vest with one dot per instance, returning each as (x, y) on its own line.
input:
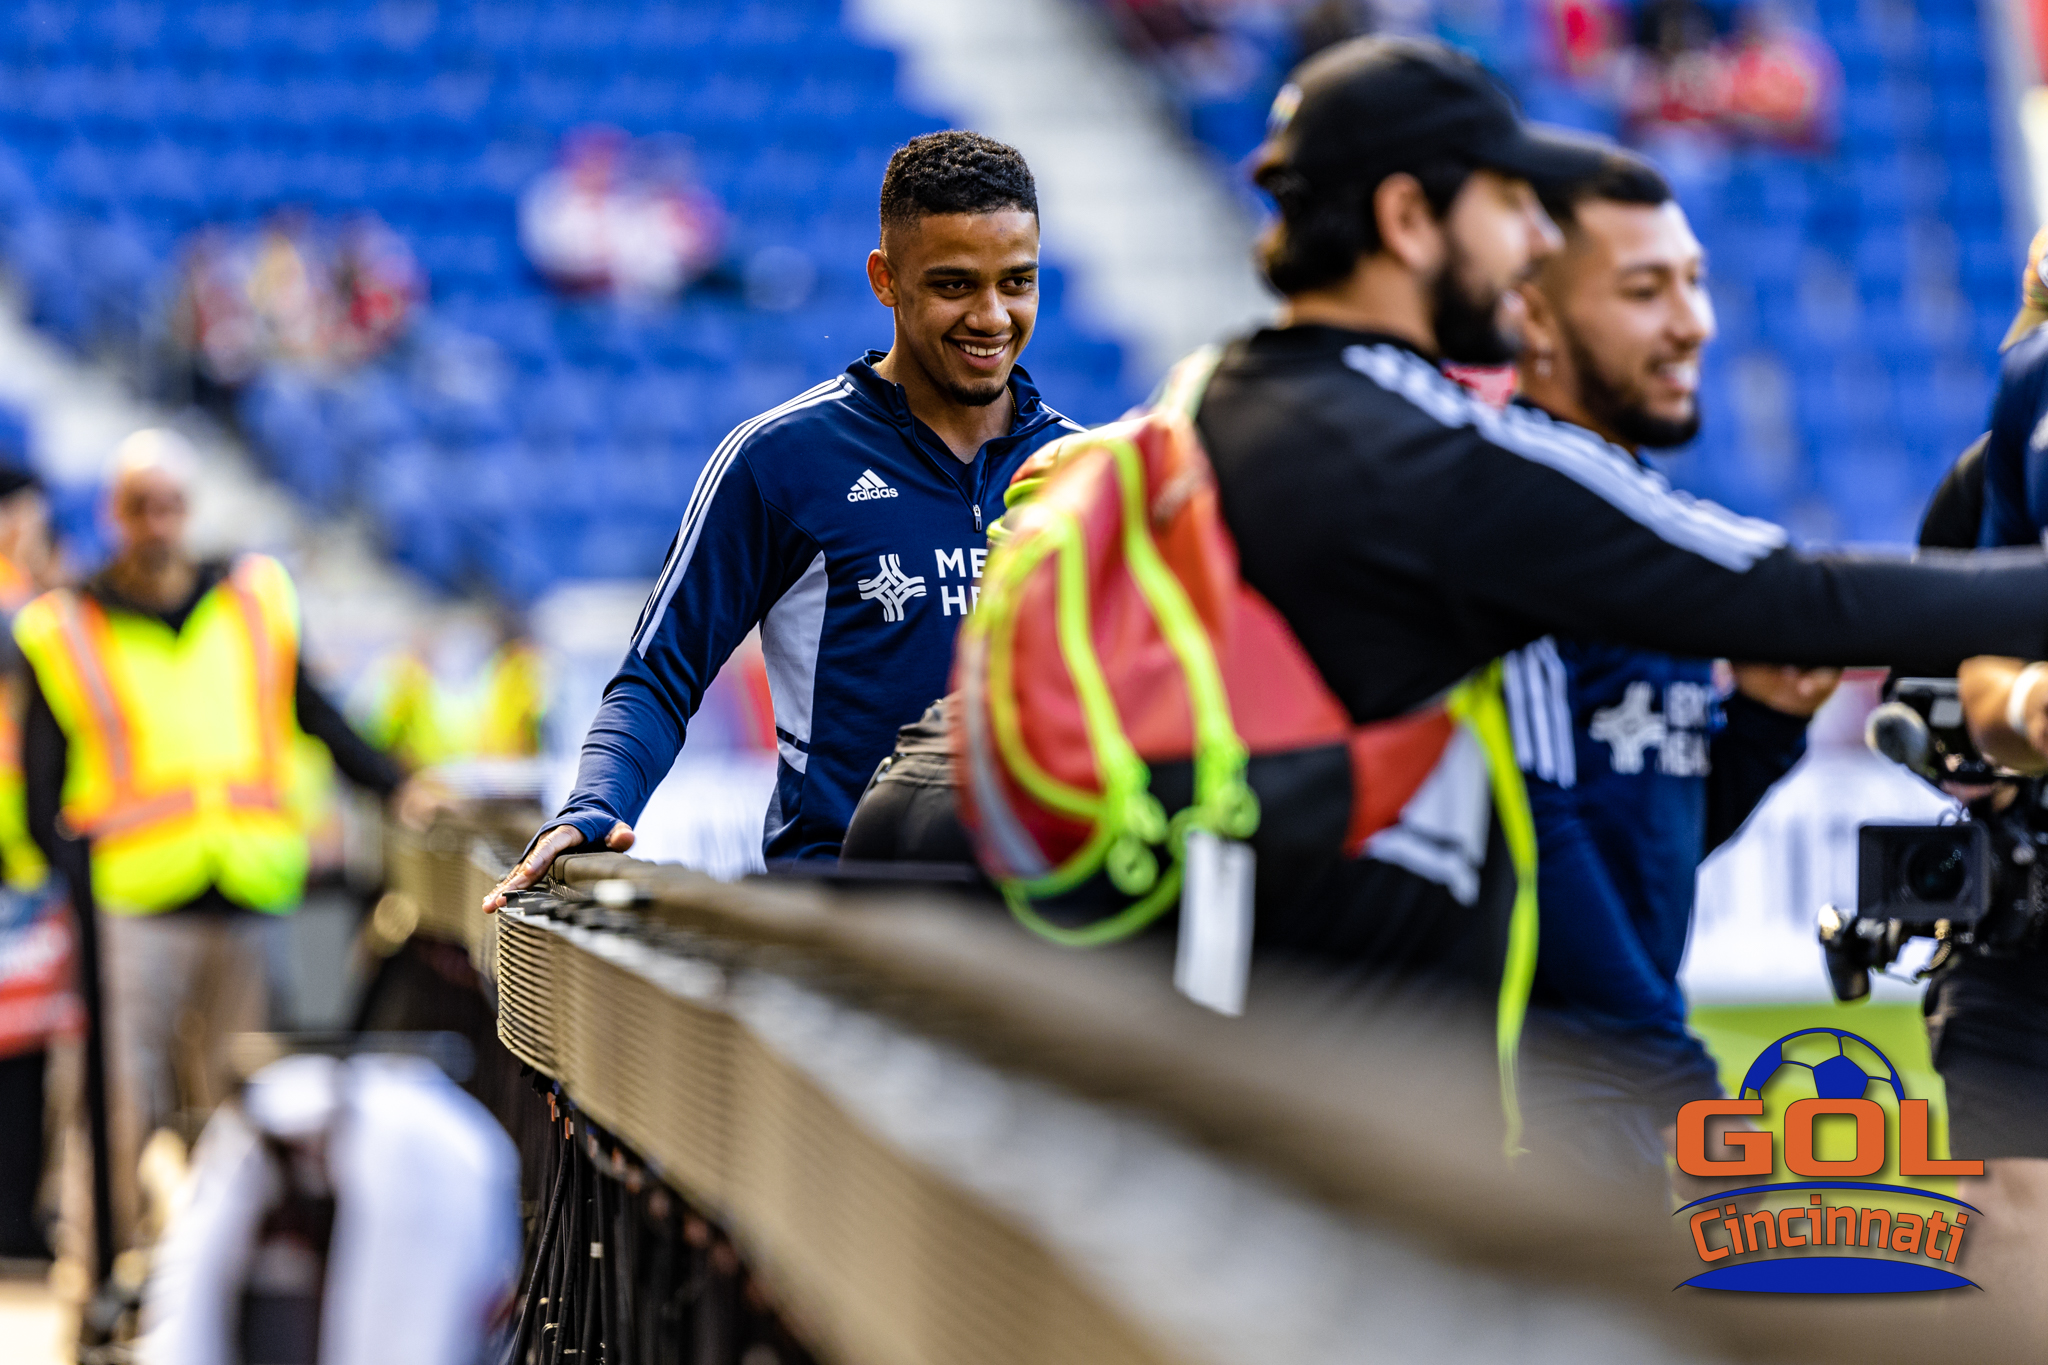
(24, 865)
(180, 743)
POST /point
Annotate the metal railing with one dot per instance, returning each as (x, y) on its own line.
(942, 1141)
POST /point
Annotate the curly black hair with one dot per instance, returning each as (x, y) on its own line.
(955, 172)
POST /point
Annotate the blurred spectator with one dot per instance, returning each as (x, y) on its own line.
(294, 292)
(357, 1212)
(169, 793)
(1753, 75)
(1587, 36)
(1782, 81)
(616, 217)
(36, 1003)
(1327, 23)
(412, 710)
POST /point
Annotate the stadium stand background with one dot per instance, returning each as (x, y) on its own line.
(1862, 288)
(125, 127)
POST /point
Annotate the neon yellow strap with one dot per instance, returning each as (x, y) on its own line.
(1478, 704)
(1126, 822)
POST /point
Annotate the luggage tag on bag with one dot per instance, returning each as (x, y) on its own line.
(1214, 957)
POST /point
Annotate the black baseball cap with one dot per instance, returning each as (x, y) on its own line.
(1364, 109)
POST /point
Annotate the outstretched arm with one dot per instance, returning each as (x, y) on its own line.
(732, 559)
(2006, 703)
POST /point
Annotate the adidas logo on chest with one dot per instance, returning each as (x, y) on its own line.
(868, 487)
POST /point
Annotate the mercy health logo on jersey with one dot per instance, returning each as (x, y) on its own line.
(964, 564)
(892, 587)
(1840, 1110)
(895, 589)
(868, 487)
(1679, 734)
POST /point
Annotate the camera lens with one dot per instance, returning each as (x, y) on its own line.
(1936, 871)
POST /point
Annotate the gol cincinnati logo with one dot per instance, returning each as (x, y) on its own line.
(1789, 1236)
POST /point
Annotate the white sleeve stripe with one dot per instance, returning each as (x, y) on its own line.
(700, 500)
(1560, 700)
(1542, 712)
(1643, 495)
(1539, 713)
(701, 494)
(707, 478)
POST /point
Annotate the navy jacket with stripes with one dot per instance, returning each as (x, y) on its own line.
(1637, 769)
(843, 527)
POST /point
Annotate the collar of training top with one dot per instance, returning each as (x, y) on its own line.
(1031, 412)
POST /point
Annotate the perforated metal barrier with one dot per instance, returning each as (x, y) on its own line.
(936, 1141)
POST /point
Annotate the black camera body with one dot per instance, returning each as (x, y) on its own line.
(1924, 874)
(1979, 884)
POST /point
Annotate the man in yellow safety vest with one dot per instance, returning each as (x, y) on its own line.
(165, 698)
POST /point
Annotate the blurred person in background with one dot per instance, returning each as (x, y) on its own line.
(357, 1211)
(2015, 477)
(412, 712)
(37, 1007)
(164, 694)
(297, 291)
(849, 523)
(1637, 763)
(1411, 534)
(601, 223)
(1955, 515)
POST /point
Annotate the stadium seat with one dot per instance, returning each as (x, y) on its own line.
(127, 126)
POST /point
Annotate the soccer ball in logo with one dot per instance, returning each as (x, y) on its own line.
(1842, 1065)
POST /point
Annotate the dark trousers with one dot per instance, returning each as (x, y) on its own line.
(1987, 1024)
(21, 1153)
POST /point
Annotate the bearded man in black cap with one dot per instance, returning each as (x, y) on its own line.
(1411, 533)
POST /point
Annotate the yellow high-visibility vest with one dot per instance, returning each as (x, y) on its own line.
(179, 743)
(422, 720)
(24, 864)
(514, 701)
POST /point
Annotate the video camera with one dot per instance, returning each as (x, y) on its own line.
(1977, 885)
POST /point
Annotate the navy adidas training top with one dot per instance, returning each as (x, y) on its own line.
(846, 530)
(1637, 769)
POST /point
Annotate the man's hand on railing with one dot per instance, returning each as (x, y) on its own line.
(552, 843)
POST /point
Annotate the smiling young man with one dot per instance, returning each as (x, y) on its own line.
(848, 524)
(1637, 766)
